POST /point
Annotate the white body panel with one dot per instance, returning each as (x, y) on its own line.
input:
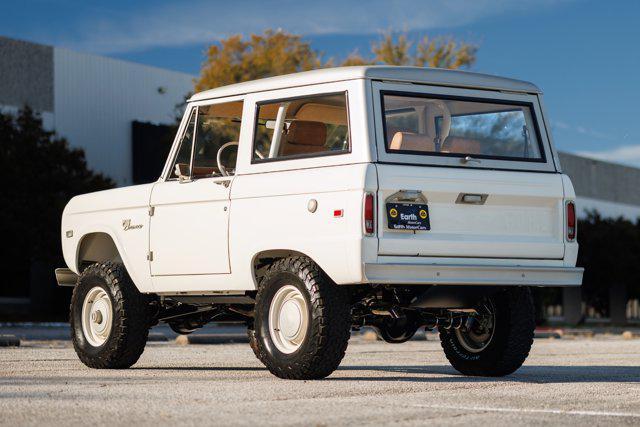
(521, 218)
(189, 227)
(281, 199)
(104, 212)
(205, 237)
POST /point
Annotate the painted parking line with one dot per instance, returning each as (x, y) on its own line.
(530, 410)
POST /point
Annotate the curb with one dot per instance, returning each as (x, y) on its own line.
(212, 339)
(9, 341)
(157, 337)
(547, 335)
(578, 333)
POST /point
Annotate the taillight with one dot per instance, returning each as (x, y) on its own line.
(369, 214)
(571, 221)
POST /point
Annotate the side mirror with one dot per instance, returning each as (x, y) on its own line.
(182, 172)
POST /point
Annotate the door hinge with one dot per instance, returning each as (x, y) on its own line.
(150, 256)
(152, 210)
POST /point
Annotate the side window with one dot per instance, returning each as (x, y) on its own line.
(217, 135)
(302, 127)
(183, 158)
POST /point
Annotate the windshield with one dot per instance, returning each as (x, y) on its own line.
(416, 124)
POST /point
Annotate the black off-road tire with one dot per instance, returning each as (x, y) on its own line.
(511, 341)
(131, 318)
(329, 321)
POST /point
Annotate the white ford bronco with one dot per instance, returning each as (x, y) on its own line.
(309, 205)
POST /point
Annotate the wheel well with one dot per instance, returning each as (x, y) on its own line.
(262, 260)
(97, 247)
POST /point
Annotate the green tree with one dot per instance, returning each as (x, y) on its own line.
(40, 173)
(610, 253)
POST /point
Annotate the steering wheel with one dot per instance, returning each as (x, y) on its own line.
(224, 171)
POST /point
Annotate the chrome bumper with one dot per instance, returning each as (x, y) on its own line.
(434, 274)
(66, 277)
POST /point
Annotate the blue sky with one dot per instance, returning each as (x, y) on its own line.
(584, 54)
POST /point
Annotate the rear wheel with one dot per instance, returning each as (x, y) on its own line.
(496, 341)
(302, 321)
(110, 319)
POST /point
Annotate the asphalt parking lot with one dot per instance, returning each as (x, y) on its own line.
(577, 381)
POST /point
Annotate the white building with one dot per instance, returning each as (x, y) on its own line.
(90, 100)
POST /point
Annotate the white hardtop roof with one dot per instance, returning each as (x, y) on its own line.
(432, 76)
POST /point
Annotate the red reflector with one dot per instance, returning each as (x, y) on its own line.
(368, 214)
(338, 213)
(571, 221)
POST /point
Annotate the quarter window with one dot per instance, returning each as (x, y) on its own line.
(183, 158)
(302, 127)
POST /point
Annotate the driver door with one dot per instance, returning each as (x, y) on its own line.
(190, 207)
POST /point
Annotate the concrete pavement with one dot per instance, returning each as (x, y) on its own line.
(579, 381)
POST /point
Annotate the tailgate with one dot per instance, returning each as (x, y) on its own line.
(507, 214)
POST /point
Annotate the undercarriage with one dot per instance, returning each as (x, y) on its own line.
(395, 312)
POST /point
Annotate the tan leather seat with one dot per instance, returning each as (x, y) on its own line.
(411, 142)
(462, 146)
(304, 137)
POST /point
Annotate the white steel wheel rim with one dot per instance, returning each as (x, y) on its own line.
(97, 316)
(288, 319)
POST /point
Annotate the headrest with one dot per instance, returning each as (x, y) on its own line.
(445, 126)
(303, 132)
(333, 114)
(411, 142)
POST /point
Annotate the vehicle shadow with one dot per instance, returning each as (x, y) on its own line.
(526, 374)
(198, 368)
(446, 374)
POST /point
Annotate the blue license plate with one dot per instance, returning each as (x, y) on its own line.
(408, 216)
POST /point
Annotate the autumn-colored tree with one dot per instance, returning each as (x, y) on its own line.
(438, 52)
(273, 53)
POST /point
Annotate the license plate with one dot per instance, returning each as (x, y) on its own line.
(408, 216)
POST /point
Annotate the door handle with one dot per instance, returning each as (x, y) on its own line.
(224, 182)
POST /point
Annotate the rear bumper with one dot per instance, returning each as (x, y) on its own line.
(433, 274)
(66, 277)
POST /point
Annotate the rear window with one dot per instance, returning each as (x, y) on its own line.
(460, 127)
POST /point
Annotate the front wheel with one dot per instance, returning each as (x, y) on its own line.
(109, 318)
(301, 321)
(496, 341)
